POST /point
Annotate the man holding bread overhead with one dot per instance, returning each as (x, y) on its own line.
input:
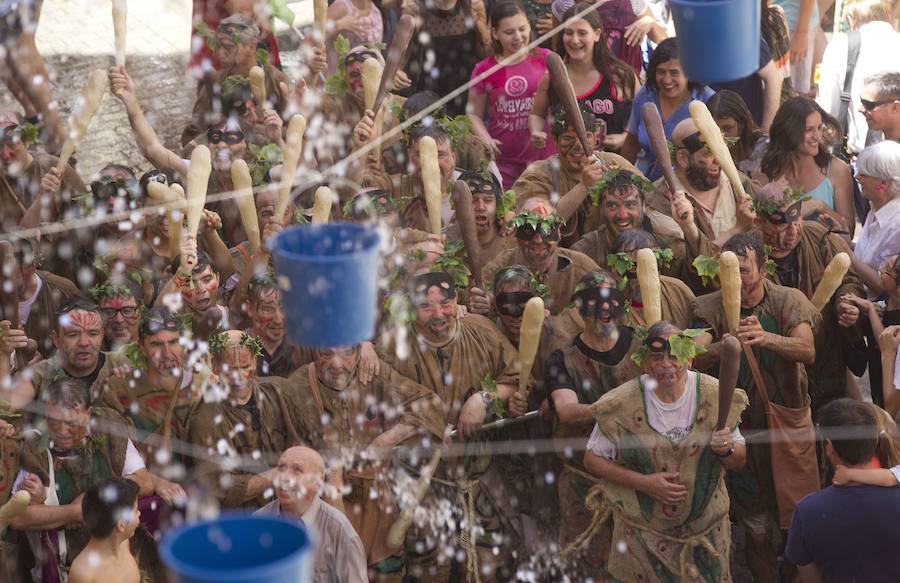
(801, 250)
(576, 376)
(566, 177)
(472, 368)
(660, 447)
(776, 325)
(715, 211)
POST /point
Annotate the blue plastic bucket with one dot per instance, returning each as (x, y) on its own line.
(329, 278)
(718, 40)
(239, 548)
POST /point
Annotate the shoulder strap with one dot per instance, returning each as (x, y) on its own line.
(314, 386)
(853, 44)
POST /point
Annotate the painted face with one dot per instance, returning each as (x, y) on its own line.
(571, 152)
(67, 427)
(512, 32)
(78, 338)
(671, 80)
(703, 172)
(622, 209)
(510, 305)
(436, 315)
(354, 78)
(783, 237)
(601, 307)
(751, 275)
(484, 205)
(164, 352)
(205, 292)
(536, 246)
(446, 160)
(121, 317)
(238, 368)
(13, 153)
(265, 210)
(663, 367)
(267, 317)
(579, 39)
(234, 52)
(226, 144)
(336, 367)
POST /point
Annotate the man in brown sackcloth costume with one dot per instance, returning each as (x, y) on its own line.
(801, 250)
(489, 205)
(265, 310)
(620, 196)
(565, 178)
(537, 234)
(22, 171)
(576, 376)
(269, 416)
(158, 397)
(660, 460)
(472, 368)
(710, 211)
(364, 422)
(777, 324)
(83, 446)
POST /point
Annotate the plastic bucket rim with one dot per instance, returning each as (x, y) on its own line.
(370, 244)
(179, 566)
(700, 3)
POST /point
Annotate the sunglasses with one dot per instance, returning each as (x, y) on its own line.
(157, 176)
(155, 324)
(512, 303)
(215, 136)
(870, 105)
(110, 187)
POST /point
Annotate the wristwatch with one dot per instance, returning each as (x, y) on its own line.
(724, 455)
(487, 397)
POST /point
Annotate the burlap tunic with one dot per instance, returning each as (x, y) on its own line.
(546, 178)
(42, 319)
(781, 310)
(561, 278)
(282, 423)
(17, 193)
(663, 543)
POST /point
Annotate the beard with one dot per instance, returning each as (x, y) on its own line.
(698, 177)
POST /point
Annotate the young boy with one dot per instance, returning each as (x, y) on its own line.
(887, 477)
(110, 513)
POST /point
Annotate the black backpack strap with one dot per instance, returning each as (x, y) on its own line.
(853, 43)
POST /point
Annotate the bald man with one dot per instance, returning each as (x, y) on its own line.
(298, 482)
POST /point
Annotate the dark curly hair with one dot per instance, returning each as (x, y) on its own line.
(787, 131)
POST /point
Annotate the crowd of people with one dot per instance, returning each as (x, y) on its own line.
(148, 376)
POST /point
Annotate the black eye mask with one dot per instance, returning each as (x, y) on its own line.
(512, 303)
(693, 143)
(440, 279)
(590, 302)
(527, 233)
(657, 344)
(788, 215)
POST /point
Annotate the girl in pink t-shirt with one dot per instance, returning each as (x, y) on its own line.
(508, 94)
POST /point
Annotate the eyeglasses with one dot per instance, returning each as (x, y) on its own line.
(870, 105)
(215, 136)
(108, 187)
(127, 312)
(156, 323)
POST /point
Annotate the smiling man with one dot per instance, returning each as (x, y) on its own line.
(880, 98)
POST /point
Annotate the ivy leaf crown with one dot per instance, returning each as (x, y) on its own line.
(337, 83)
(681, 345)
(770, 206)
(453, 261)
(218, 340)
(541, 223)
(610, 177)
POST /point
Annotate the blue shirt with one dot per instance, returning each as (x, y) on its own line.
(852, 533)
(646, 161)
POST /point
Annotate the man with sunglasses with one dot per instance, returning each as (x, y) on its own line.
(622, 204)
(660, 460)
(880, 99)
(801, 250)
(777, 324)
(578, 374)
(566, 177)
(26, 173)
(472, 368)
(538, 235)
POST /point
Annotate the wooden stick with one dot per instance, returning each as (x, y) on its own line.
(397, 533)
(258, 86)
(562, 85)
(292, 149)
(243, 184)
(658, 144)
(197, 185)
(832, 278)
(730, 280)
(397, 55)
(465, 218)
(431, 182)
(529, 339)
(648, 280)
(15, 506)
(729, 366)
(120, 17)
(372, 72)
(712, 135)
(320, 15)
(175, 204)
(91, 96)
(322, 206)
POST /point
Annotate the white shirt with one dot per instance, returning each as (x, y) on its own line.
(674, 420)
(880, 236)
(25, 306)
(879, 50)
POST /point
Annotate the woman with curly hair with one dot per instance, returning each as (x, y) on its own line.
(798, 154)
(602, 82)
